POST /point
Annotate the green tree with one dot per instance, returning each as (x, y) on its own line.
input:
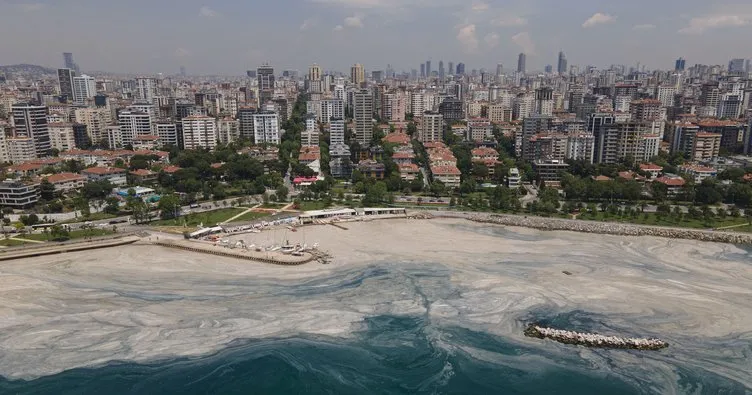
(46, 190)
(169, 207)
(282, 192)
(438, 188)
(29, 220)
(112, 205)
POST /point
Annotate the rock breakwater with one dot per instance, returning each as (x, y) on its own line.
(610, 228)
(593, 340)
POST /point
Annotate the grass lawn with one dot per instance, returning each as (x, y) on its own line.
(11, 243)
(312, 205)
(250, 216)
(209, 218)
(685, 222)
(74, 234)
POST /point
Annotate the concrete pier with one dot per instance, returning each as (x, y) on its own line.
(51, 248)
(272, 257)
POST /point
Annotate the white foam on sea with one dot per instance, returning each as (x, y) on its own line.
(146, 303)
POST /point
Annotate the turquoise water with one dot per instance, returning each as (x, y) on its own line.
(393, 355)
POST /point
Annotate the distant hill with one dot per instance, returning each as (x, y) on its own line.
(26, 69)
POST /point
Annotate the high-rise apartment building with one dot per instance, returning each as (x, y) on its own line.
(428, 68)
(266, 84)
(266, 128)
(146, 89)
(199, 132)
(245, 122)
(544, 101)
(336, 131)
(167, 133)
(134, 123)
(31, 122)
(431, 127)
(65, 82)
(450, 68)
(358, 74)
(363, 109)
(442, 72)
(96, 121)
(84, 88)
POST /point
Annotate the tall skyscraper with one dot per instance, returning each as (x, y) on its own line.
(737, 66)
(363, 116)
(562, 68)
(69, 63)
(358, 74)
(679, 65)
(428, 68)
(521, 60)
(182, 71)
(450, 69)
(265, 78)
(499, 70)
(460, 68)
(65, 81)
(31, 122)
(441, 69)
(422, 70)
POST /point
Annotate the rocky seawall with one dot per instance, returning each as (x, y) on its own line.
(593, 340)
(609, 228)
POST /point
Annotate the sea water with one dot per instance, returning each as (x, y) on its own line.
(396, 327)
(394, 355)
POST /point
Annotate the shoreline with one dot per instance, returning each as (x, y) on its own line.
(597, 227)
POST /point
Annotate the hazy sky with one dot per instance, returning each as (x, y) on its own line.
(230, 36)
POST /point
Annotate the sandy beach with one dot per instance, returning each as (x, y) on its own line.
(145, 303)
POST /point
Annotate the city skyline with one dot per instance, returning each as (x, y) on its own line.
(338, 33)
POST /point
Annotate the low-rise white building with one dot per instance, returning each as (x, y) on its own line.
(115, 175)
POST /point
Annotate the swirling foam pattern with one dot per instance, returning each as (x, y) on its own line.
(407, 307)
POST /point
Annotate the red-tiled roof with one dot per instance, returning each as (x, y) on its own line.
(445, 170)
(403, 155)
(143, 173)
(484, 151)
(602, 178)
(103, 170)
(397, 138)
(650, 166)
(672, 182)
(64, 177)
(409, 168)
(171, 169)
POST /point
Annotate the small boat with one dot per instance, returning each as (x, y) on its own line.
(297, 253)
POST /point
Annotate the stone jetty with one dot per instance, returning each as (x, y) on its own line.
(593, 340)
(609, 228)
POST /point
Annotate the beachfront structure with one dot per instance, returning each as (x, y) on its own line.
(348, 213)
